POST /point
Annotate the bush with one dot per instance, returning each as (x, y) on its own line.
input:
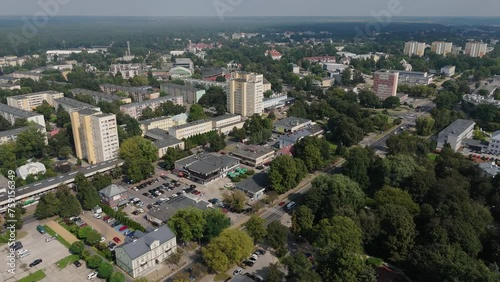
(117, 277)
(105, 270)
(250, 172)
(236, 179)
(374, 261)
(85, 255)
(94, 261)
(76, 248)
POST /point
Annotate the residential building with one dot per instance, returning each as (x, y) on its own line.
(126, 70)
(164, 122)
(406, 65)
(30, 169)
(245, 94)
(204, 168)
(448, 71)
(177, 52)
(11, 135)
(321, 59)
(114, 195)
(184, 62)
(295, 69)
(190, 129)
(455, 133)
(191, 95)
(254, 155)
(226, 123)
(207, 84)
(95, 135)
(24, 74)
(275, 101)
(289, 139)
(13, 61)
(385, 83)
(476, 99)
(266, 85)
(255, 186)
(414, 48)
(138, 94)
(160, 215)
(99, 96)
(29, 102)
(475, 49)
(12, 113)
(168, 142)
(490, 169)
(71, 105)
(415, 78)
(135, 109)
(441, 47)
(274, 54)
(10, 86)
(494, 145)
(290, 125)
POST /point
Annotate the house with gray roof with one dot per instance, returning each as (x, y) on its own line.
(255, 186)
(291, 124)
(142, 255)
(114, 195)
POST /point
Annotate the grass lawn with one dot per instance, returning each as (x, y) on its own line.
(35, 276)
(333, 147)
(221, 277)
(67, 261)
(59, 238)
(432, 156)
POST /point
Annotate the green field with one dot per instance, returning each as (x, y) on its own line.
(67, 261)
(35, 276)
(59, 238)
(432, 156)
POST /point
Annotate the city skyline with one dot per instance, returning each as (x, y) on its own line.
(236, 8)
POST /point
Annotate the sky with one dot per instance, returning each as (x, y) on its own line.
(234, 8)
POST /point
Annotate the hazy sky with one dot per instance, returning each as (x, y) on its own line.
(255, 7)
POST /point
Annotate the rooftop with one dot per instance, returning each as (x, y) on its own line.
(255, 184)
(74, 103)
(34, 94)
(225, 116)
(112, 190)
(189, 124)
(253, 152)
(17, 131)
(166, 210)
(495, 135)
(183, 61)
(490, 168)
(178, 86)
(290, 122)
(17, 112)
(142, 245)
(167, 142)
(457, 127)
(207, 163)
(149, 121)
(141, 89)
(148, 102)
(77, 91)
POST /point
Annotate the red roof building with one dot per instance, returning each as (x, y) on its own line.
(274, 54)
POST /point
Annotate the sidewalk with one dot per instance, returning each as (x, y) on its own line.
(164, 271)
(60, 231)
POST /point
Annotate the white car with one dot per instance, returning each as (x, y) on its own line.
(103, 239)
(98, 216)
(92, 276)
(237, 271)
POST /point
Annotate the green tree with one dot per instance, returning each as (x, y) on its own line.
(196, 112)
(46, 110)
(62, 116)
(346, 76)
(368, 99)
(230, 247)
(391, 102)
(68, 204)
(138, 154)
(93, 238)
(84, 232)
(30, 143)
(344, 131)
(300, 269)
(94, 261)
(358, 163)
(64, 152)
(188, 224)
(274, 273)
(302, 221)
(342, 266)
(120, 277)
(172, 156)
(104, 270)
(277, 234)
(215, 222)
(424, 126)
(217, 142)
(395, 196)
(315, 152)
(88, 197)
(339, 233)
(235, 200)
(397, 236)
(255, 227)
(48, 206)
(77, 247)
(285, 173)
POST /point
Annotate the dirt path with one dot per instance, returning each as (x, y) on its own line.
(61, 231)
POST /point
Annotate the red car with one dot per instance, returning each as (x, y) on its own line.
(281, 204)
(106, 218)
(123, 227)
(117, 240)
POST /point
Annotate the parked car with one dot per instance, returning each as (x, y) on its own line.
(248, 263)
(117, 240)
(36, 262)
(192, 186)
(106, 217)
(17, 245)
(98, 216)
(214, 201)
(145, 194)
(112, 246)
(237, 271)
(127, 232)
(51, 238)
(92, 276)
(41, 229)
(115, 223)
(123, 227)
(260, 252)
(77, 263)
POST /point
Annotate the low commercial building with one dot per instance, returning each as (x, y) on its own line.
(254, 155)
(100, 96)
(494, 145)
(29, 102)
(224, 120)
(455, 133)
(448, 71)
(160, 215)
(204, 168)
(71, 105)
(289, 139)
(114, 195)
(135, 109)
(490, 169)
(30, 169)
(12, 114)
(190, 129)
(162, 141)
(415, 78)
(190, 94)
(164, 122)
(291, 124)
(143, 254)
(255, 186)
(274, 101)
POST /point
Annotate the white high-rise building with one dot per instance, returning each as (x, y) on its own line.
(475, 49)
(95, 135)
(441, 47)
(245, 94)
(414, 48)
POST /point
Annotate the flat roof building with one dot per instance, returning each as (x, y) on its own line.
(11, 135)
(245, 94)
(29, 102)
(160, 215)
(254, 155)
(138, 94)
(71, 105)
(204, 168)
(135, 109)
(290, 124)
(12, 114)
(190, 129)
(164, 122)
(100, 96)
(255, 185)
(190, 94)
(455, 133)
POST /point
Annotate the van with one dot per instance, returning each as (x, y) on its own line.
(291, 205)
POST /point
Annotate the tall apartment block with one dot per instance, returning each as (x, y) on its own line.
(414, 48)
(441, 47)
(475, 49)
(245, 94)
(385, 83)
(95, 135)
(29, 102)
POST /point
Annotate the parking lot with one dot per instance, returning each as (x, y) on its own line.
(49, 252)
(102, 227)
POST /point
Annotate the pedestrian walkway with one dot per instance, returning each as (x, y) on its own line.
(65, 234)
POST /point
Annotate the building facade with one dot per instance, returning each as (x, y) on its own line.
(138, 94)
(448, 71)
(494, 145)
(29, 102)
(254, 155)
(114, 195)
(441, 47)
(190, 129)
(415, 78)
(135, 109)
(190, 94)
(95, 135)
(385, 83)
(71, 105)
(414, 48)
(475, 49)
(126, 70)
(99, 96)
(12, 114)
(245, 94)
(455, 133)
(204, 168)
